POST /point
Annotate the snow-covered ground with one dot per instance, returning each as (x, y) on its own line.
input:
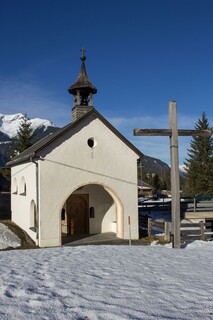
(107, 283)
(8, 238)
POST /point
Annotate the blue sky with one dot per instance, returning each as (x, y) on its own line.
(140, 54)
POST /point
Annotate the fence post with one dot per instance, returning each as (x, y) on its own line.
(194, 204)
(149, 226)
(129, 223)
(169, 206)
(167, 230)
(202, 230)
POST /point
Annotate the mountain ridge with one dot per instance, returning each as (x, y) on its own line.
(9, 124)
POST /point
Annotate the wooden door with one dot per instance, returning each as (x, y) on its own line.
(77, 214)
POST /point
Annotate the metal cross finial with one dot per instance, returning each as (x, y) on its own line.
(83, 56)
(82, 51)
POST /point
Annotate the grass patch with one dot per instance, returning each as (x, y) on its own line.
(146, 241)
(26, 241)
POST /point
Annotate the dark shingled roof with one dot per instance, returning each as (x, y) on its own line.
(82, 82)
(32, 152)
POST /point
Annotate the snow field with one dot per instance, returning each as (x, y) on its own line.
(107, 283)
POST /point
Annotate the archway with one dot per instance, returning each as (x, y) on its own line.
(91, 209)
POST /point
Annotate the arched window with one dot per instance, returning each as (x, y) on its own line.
(23, 188)
(14, 186)
(92, 212)
(33, 215)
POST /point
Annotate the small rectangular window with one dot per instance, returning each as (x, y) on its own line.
(92, 212)
(63, 214)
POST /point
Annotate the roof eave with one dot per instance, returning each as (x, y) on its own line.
(20, 160)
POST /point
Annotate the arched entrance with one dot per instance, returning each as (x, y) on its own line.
(91, 209)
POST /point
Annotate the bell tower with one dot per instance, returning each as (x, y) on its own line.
(83, 91)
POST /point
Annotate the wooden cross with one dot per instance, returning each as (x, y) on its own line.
(173, 133)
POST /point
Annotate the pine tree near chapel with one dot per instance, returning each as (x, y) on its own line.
(199, 164)
(23, 138)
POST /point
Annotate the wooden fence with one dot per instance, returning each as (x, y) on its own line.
(196, 231)
(148, 226)
(188, 231)
(195, 204)
(155, 226)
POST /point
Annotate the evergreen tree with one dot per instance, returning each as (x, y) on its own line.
(23, 138)
(199, 163)
(160, 182)
(156, 182)
(4, 172)
(165, 181)
(141, 172)
(149, 178)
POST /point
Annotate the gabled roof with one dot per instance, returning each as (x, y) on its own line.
(33, 151)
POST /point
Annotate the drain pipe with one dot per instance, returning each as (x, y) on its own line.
(37, 197)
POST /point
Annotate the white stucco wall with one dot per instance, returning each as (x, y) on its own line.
(70, 163)
(20, 203)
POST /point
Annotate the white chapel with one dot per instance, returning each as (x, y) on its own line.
(81, 179)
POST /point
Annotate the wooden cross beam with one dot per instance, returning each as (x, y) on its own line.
(173, 133)
(168, 132)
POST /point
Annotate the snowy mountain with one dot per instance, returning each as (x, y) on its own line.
(182, 168)
(153, 165)
(9, 125)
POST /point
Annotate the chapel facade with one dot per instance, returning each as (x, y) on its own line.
(81, 179)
